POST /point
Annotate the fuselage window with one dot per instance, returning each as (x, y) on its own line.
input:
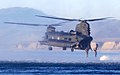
(65, 38)
(70, 39)
(52, 37)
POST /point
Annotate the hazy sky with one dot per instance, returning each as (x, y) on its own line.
(70, 8)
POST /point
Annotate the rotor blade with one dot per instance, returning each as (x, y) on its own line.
(63, 22)
(58, 18)
(73, 19)
(98, 19)
(59, 24)
(55, 25)
(28, 24)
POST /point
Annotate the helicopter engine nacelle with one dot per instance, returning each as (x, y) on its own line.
(50, 29)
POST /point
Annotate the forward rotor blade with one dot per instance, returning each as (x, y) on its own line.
(73, 19)
(98, 19)
(28, 24)
(58, 18)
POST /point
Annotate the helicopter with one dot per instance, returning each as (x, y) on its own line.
(78, 39)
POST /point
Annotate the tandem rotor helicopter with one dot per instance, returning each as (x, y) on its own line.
(75, 39)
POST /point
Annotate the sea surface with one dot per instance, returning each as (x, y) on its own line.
(58, 62)
(37, 68)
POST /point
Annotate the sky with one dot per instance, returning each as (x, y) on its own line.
(81, 9)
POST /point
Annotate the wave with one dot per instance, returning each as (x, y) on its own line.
(110, 58)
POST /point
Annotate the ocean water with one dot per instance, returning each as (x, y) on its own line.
(33, 68)
(58, 62)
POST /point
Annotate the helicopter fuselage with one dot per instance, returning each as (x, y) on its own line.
(62, 39)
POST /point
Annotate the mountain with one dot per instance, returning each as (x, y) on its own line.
(106, 29)
(13, 34)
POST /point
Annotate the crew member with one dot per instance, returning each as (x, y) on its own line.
(95, 50)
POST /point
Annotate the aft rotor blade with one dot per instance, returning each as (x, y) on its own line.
(58, 18)
(98, 19)
(28, 24)
(58, 24)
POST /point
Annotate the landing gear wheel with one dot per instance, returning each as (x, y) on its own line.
(50, 48)
(64, 48)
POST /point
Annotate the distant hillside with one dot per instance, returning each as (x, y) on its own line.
(15, 33)
(106, 29)
(19, 14)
